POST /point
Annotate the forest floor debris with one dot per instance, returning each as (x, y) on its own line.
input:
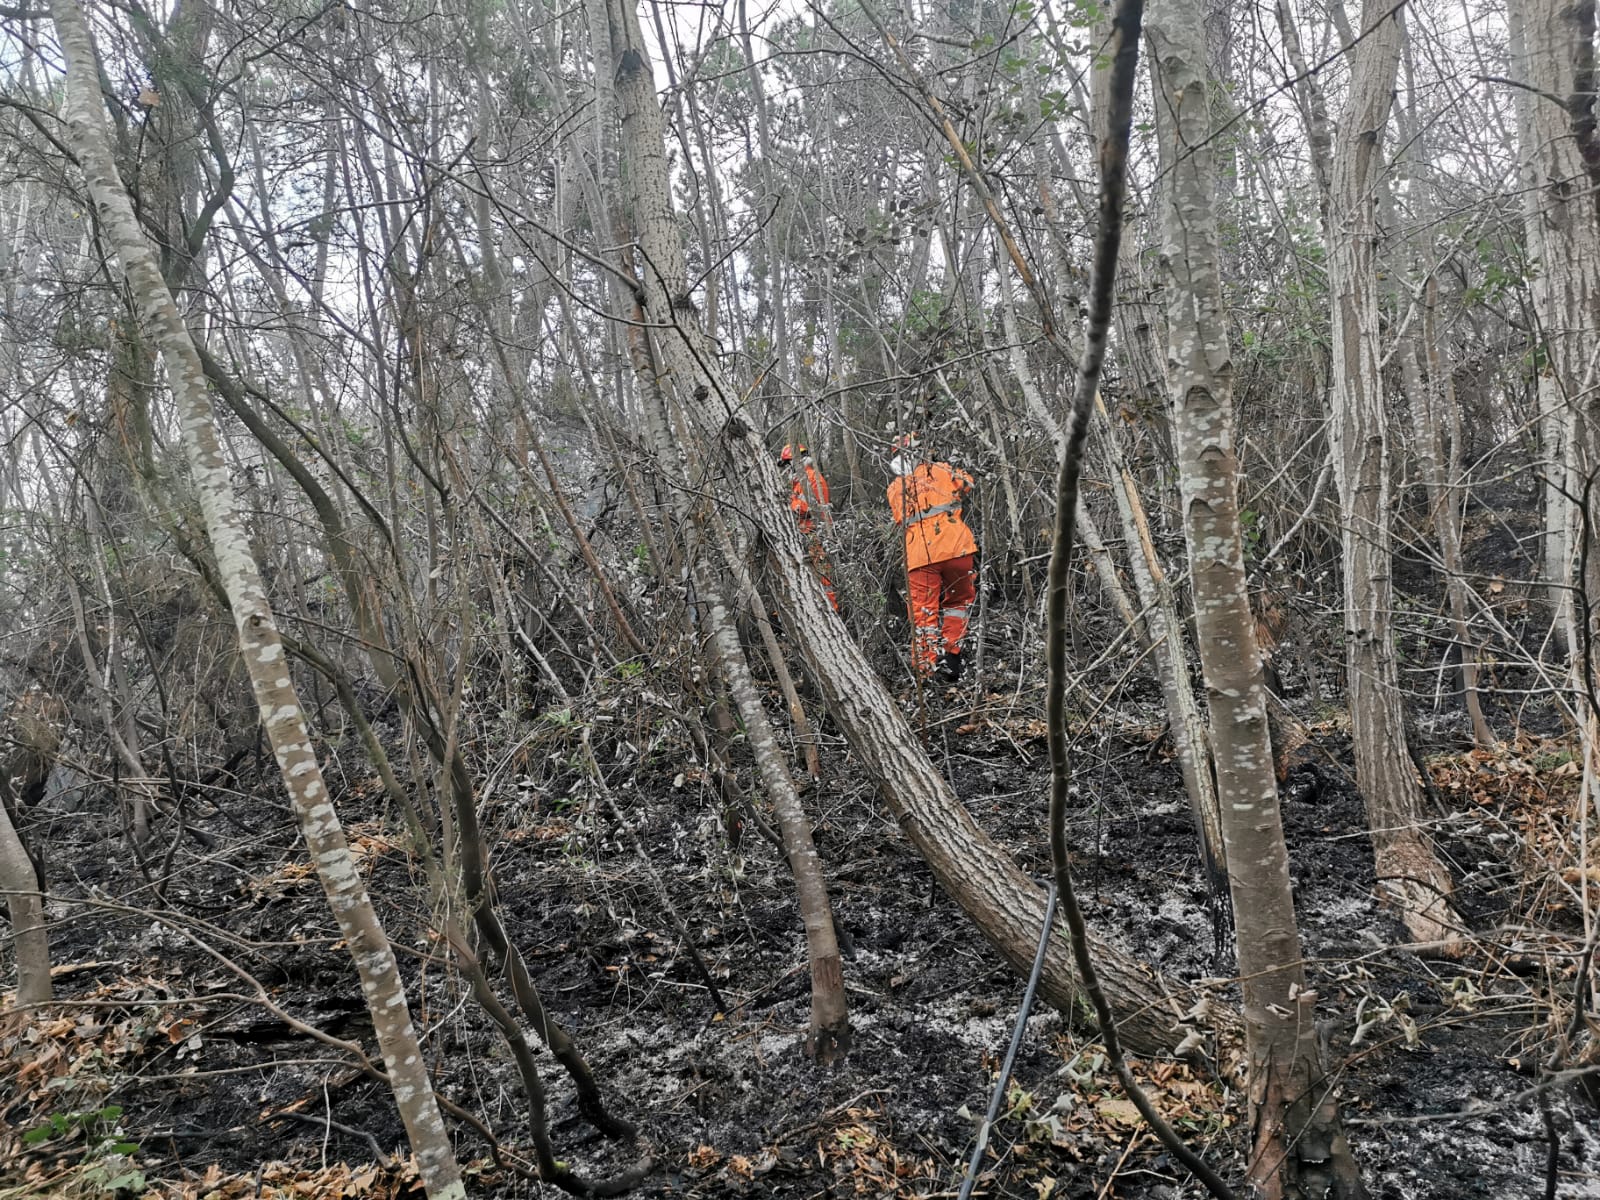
(221, 1098)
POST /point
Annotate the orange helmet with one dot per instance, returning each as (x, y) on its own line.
(789, 451)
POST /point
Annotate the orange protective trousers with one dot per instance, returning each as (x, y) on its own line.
(940, 597)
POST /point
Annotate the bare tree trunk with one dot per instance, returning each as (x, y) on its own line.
(1088, 530)
(1547, 38)
(124, 734)
(1163, 632)
(1427, 402)
(1408, 872)
(1298, 1146)
(29, 939)
(828, 1037)
(1006, 906)
(1431, 404)
(754, 602)
(1351, 161)
(260, 645)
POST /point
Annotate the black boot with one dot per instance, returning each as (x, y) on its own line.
(950, 666)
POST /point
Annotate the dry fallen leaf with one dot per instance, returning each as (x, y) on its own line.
(703, 1158)
(1118, 1111)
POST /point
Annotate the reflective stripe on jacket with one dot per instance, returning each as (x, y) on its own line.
(927, 503)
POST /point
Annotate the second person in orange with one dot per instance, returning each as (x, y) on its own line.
(808, 498)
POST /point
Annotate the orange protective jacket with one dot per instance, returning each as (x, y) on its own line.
(811, 486)
(927, 503)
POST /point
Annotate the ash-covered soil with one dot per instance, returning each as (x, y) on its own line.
(724, 1098)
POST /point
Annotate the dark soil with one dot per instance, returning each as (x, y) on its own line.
(725, 1099)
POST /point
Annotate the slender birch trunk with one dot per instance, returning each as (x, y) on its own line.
(1428, 399)
(260, 645)
(1164, 632)
(1167, 637)
(1350, 165)
(1557, 123)
(1088, 529)
(1408, 871)
(1298, 1147)
(1431, 404)
(1546, 37)
(828, 1035)
(30, 940)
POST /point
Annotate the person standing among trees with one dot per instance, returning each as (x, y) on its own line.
(808, 494)
(941, 557)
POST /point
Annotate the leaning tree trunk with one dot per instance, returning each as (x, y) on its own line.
(1005, 905)
(1298, 1147)
(828, 1037)
(261, 648)
(1156, 626)
(828, 1034)
(1349, 165)
(1169, 647)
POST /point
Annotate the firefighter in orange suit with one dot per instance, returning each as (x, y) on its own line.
(941, 557)
(808, 499)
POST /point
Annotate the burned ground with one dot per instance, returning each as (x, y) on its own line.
(208, 1080)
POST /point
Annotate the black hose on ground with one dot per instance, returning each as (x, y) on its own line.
(971, 1177)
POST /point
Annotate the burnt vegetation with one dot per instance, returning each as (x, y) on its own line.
(441, 755)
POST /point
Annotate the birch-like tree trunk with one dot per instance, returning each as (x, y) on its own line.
(1298, 1148)
(30, 940)
(1427, 401)
(828, 1037)
(1349, 164)
(1408, 872)
(260, 646)
(1557, 123)
(1006, 906)
(1547, 38)
(1431, 404)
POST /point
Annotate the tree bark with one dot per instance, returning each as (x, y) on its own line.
(1549, 41)
(1162, 631)
(1351, 161)
(1166, 631)
(1409, 874)
(30, 940)
(1298, 1146)
(261, 647)
(828, 1038)
(1428, 401)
